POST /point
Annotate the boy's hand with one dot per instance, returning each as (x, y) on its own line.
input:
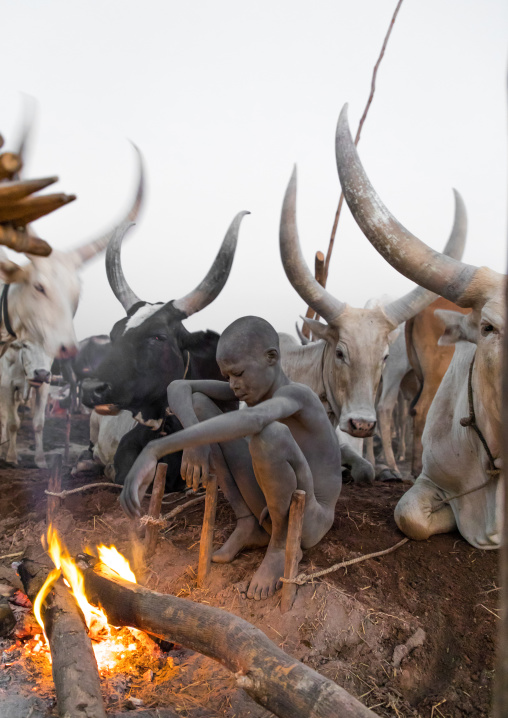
(196, 462)
(138, 480)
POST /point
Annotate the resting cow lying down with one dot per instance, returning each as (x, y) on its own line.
(459, 486)
(282, 441)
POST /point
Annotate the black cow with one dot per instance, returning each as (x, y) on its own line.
(150, 348)
(91, 352)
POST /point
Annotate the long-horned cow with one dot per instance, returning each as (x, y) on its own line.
(344, 367)
(39, 299)
(459, 486)
(150, 348)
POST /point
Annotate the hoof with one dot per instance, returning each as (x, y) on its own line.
(389, 475)
(41, 463)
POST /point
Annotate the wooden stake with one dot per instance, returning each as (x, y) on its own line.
(12, 191)
(319, 274)
(21, 241)
(293, 548)
(28, 209)
(10, 163)
(278, 682)
(206, 543)
(154, 510)
(68, 417)
(55, 484)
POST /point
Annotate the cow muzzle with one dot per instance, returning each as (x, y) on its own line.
(40, 376)
(96, 392)
(361, 428)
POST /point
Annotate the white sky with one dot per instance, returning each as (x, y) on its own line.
(222, 98)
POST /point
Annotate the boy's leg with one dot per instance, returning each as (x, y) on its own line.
(233, 466)
(280, 468)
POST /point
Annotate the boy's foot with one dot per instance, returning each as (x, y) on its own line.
(247, 534)
(266, 580)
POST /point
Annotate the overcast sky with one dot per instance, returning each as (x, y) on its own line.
(222, 98)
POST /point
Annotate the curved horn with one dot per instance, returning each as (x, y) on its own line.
(410, 304)
(91, 248)
(217, 276)
(405, 252)
(114, 270)
(29, 105)
(294, 264)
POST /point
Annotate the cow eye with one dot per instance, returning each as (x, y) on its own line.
(159, 337)
(487, 329)
(339, 354)
(39, 288)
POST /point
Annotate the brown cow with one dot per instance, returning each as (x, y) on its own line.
(429, 360)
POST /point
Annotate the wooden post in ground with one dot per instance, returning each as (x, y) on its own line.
(319, 274)
(55, 484)
(206, 543)
(154, 510)
(293, 548)
(68, 419)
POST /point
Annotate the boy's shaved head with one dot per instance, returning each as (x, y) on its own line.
(247, 335)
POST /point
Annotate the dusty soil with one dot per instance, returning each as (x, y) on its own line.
(346, 625)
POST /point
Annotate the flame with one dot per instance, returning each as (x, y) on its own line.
(116, 562)
(110, 649)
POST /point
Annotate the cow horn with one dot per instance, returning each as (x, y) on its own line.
(29, 105)
(410, 304)
(90, 249)
(114, 270)
(217, 276)
(405, 252)
(294, 264)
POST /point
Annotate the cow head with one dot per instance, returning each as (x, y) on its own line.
(34, 365)
(478, 288)
(44, 293)
(357, 341)
(150, 347)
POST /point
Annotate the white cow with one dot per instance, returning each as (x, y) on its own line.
(344, 366)
(106, 433)
(39, 299)
(24, 368)
(459, 486)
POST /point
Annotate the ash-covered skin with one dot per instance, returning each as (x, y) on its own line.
(282, 441)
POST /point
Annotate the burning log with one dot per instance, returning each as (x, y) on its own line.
(273, 679)
(74, 667)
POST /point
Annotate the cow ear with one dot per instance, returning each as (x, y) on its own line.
(457, 327)
(10, 272)
(320, 331)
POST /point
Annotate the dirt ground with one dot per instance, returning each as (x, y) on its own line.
(346, 625)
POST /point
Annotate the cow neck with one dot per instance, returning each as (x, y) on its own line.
(9, 335)
(325, 394)
(470, 420)
(158, 424)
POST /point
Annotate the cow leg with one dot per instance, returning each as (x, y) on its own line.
(420, 513)
(403, 414)
(4, 402)
(41, 398)
(369, 450)
(13, 424)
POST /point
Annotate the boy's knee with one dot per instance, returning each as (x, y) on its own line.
(271, 440)
(204, 407)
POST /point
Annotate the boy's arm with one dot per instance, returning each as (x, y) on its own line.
(225, 427)
(195, 468)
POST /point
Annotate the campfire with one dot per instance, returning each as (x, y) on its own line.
(109, 644)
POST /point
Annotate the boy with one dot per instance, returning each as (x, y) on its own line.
(281, 442)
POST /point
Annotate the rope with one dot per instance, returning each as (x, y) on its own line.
(303, 578)
(148, 520)
(68, 492)
(470, 420)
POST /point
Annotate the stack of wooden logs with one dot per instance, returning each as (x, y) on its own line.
(18, 207)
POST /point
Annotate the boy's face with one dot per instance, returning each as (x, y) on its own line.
(250, 376)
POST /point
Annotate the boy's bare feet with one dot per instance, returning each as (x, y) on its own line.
(247, 534)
